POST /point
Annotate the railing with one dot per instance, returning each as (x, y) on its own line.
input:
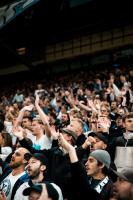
(89, 43)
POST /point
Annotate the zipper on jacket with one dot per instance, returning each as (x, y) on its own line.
(126, 143)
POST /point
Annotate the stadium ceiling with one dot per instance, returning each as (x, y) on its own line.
(26, 34)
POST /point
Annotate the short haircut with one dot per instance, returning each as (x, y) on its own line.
(128, 116)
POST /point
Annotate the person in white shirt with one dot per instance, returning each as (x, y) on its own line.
(10, 179)
(41, 140)
(36, 169)
(26, 124)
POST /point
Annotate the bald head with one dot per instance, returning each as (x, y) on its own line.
(17, 159)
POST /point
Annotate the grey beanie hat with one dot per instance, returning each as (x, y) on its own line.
(102, 156)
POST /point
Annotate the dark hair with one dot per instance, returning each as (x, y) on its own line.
(32, 99)
(28, 117)
(89, 114)
(52, 114)
(41, 157)
(2, 115)
(28, 140)
(105, 170)
(1, 125)
(65, 113)
(7, 139)
(127, 116)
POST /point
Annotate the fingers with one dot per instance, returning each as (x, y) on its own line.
(91, 139)
(60, 138)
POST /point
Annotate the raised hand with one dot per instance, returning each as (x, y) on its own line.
(18, 132)
(29, 108)
(104, 123)
(44, 194)
(89, 142)
(54, 133)
(64, 144)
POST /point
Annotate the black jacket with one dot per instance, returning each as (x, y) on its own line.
(59, 170)
(81, 183)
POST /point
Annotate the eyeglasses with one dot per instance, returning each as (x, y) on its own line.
(103, 110)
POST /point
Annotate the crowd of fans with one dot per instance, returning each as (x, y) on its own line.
(70, 137)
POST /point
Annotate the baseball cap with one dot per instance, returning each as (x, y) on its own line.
(71, 133)
(102, 136)
(125, 174)
(36, 187)
(52, 191)
(102, 156)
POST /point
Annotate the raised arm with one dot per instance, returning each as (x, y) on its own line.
(19, 133)
(21, 114)
(78, 172)
(68, 148)
(43, 117)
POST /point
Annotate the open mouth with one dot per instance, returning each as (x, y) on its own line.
(29, 170)
(86, 168)
(12, 160)
(91, 148)
(115, 192)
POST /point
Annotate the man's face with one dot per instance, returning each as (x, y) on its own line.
(75, 126)
(27, 101)
(34, 167)
(26, 123)
(103, 124)
(99, 144)
(36, 127)
(113, 105)
(122, 189)
(64, 118)
(104, 111)
(128, 124)
(17, 158)
(91, 166)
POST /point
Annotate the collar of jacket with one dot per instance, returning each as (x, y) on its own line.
(128, 135)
